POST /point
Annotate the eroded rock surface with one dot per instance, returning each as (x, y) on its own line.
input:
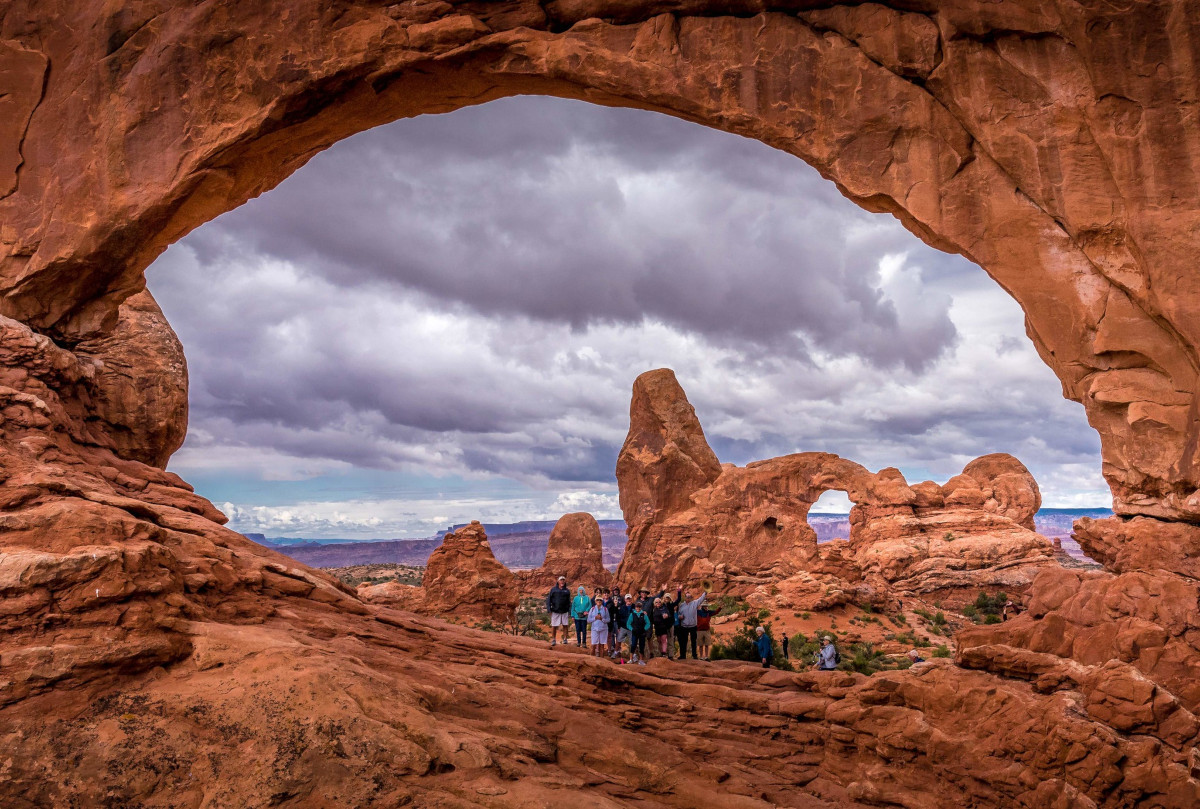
(173, 663)
(749, 525)
(575, 550)
(463, 578)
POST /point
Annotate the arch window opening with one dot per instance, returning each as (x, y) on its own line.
(829, 516)
(439, 320)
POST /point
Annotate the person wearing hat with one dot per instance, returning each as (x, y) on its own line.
(558, 604)
(828, 658)
(613, 603)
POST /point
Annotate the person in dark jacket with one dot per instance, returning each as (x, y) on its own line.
(624, 610)
(558, 604)
(613, 603)
(639, 628)
(688, 612)
(762, 646)
(663, 621)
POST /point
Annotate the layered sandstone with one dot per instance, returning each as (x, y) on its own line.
(575, 550)
(464, 580)
(173, 663)
(749, 525)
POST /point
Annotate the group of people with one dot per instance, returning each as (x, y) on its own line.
(662, 625)
(626, 627)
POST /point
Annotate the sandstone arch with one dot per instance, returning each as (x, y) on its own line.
(1001, 132)
(1051, 144)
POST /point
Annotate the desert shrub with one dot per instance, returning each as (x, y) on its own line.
(924, 613)
(806, 615)
(899, 619)
(741, 645)
(727, 605)
(942, 650)
(990, 605)
(948, 536)
(863, 658)
(764, 614)
(991, 619)
(971, 611)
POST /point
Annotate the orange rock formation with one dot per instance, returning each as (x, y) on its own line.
(743, 527)
(575, 550)
(171, 662)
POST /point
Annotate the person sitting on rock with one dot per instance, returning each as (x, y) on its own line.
(915, 656)
(558, 604)
(597, 618)
(639, 627)
(579, 612)
(1009, 607)
(828, 658)
(762, 646)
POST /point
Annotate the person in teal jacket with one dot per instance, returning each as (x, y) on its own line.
(639, 627)
(579, 610)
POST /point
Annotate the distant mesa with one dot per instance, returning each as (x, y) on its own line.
(691, 518)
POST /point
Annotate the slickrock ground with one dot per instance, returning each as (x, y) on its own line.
(747, 526)
(575, 550)
(151, 657)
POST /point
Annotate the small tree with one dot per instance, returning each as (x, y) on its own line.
(742, 645)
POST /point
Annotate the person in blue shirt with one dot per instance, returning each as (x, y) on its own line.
(762, 645)
(579, 610)
(597, 618)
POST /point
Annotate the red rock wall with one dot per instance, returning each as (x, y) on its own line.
(1052, 144)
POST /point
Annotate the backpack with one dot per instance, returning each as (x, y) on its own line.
(837, 656)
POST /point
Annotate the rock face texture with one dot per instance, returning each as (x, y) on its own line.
(174, 663)
(463, 578)
(575, 550)
(748, 526)
(1044, 143)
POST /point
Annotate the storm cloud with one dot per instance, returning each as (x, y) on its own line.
(472, 294)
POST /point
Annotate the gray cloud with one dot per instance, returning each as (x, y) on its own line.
(567, 212)
(474, 293)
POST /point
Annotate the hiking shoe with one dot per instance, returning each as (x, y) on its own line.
(641, 662)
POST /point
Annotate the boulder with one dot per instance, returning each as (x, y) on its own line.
(575, 550)
(464, 580)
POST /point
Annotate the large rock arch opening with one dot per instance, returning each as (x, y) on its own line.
(197, 109)
(1049, 144)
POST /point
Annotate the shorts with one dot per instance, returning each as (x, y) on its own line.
(624, 635)
(599, 634)
(560, 619)
(704, 637)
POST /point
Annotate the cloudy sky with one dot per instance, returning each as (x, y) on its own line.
(440, 320)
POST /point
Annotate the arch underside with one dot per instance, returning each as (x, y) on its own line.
(1052, 144)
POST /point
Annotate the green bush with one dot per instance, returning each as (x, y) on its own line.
(764, 614)
(991, 619)
(741, 646)
(971, 611)
(948, 536)
(941, 651)
(990, 605)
